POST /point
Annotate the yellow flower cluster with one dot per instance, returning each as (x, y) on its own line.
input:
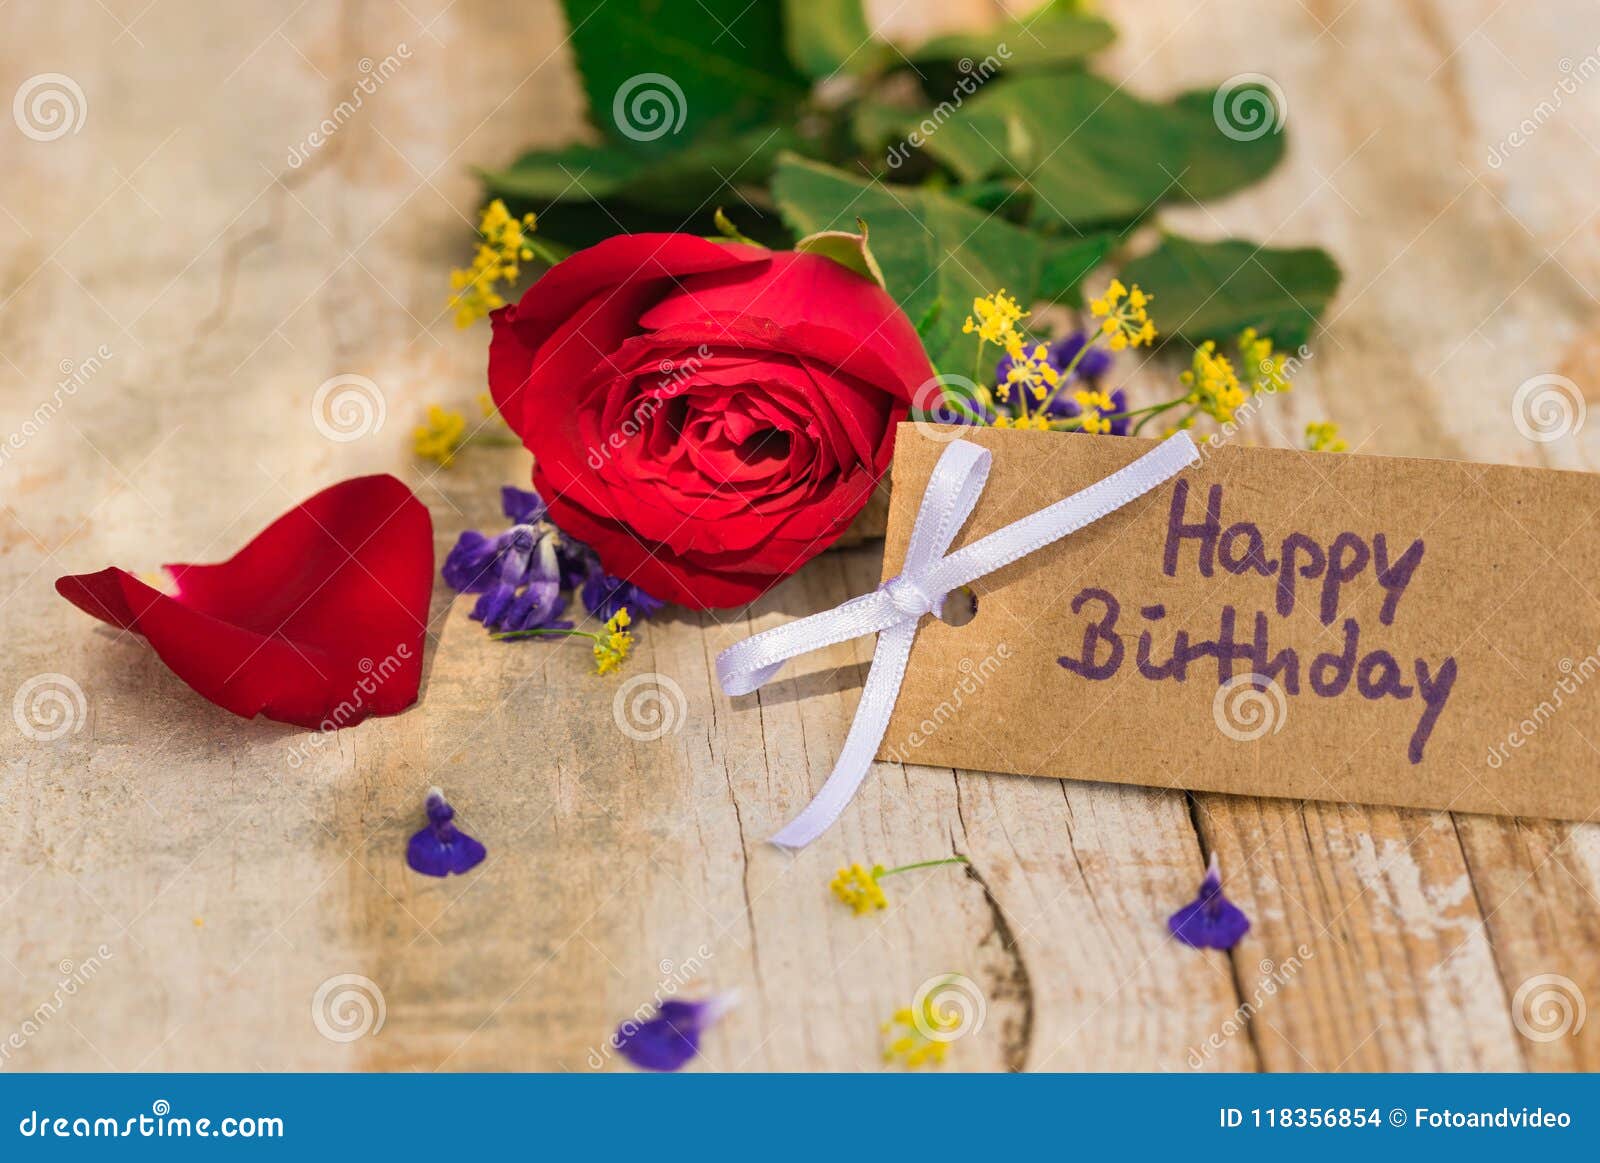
(612, 646)
(441, 437)
(1213, 386)
(1030, 370)
(1094, 404)
(858, 888)
(1030, 373)
(444, 433)
(1124, 316)
(1040, 421)
(502, 246)
(912, 1036)
(1323, 436)
(994, 317)
(1271, 368)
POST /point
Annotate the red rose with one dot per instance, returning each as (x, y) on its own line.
(707, 416)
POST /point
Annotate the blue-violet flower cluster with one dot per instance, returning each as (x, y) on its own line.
(521, 575)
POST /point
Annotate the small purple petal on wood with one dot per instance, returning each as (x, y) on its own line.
(441, 848)
(671, 1039)
(1211, 920)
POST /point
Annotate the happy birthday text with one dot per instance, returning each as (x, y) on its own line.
(1304, 572)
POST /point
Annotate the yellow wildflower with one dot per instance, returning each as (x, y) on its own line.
(1124, 316)
(858, 888)
(1213, 386)
(441, 437)
(920, 1034)
(1268, 369)
(994, 318)
(1323, 436)
(502, 245)
(444, 434)
(1092, 404)
(612, 645)
(1030, 370)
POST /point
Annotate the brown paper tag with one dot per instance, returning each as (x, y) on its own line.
(1426, 632)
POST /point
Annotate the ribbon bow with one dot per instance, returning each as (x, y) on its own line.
(930, 572)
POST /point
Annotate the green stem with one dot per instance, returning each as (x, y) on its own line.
(512, 635)
(545, 251)
(1147, 412)
(1090, 339)
(961, 406)
(1155, 411)
(492, 440)
(924, 864)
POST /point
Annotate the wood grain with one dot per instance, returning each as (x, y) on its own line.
(231, 869)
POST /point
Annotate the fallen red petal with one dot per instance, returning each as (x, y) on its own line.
(319, 621)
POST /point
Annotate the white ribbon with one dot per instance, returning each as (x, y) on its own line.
(929, 574)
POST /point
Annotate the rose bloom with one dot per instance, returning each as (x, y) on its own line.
(708, 416)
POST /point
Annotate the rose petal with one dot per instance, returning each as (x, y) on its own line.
(319, 621)
(814, 307)
(523, 328)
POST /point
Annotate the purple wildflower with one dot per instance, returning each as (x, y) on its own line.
(521, 575)
(1095, 363)
(477, 563)
(576, 560)
(604, 594)
(526, 594)
(670, 1039)
(441, 848)
(522, 506)
(471, 567)
(1211, 920)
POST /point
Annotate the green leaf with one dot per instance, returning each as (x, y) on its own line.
(682, 182)
(1213, 290)
(1066, 263)
(1053, 37)
(1235, 137)
(572, 173)
(662, 73)
(993, 196)
(848, 249)
(1092, 153)
(874, 125)
(936, 254)
(825, 37)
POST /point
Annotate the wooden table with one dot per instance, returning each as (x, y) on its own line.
(214, 886)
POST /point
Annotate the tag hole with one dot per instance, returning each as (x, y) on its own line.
(960, 607)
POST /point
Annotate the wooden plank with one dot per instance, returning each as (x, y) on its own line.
(1445, 295)
(232, 877)
(1399, 970)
